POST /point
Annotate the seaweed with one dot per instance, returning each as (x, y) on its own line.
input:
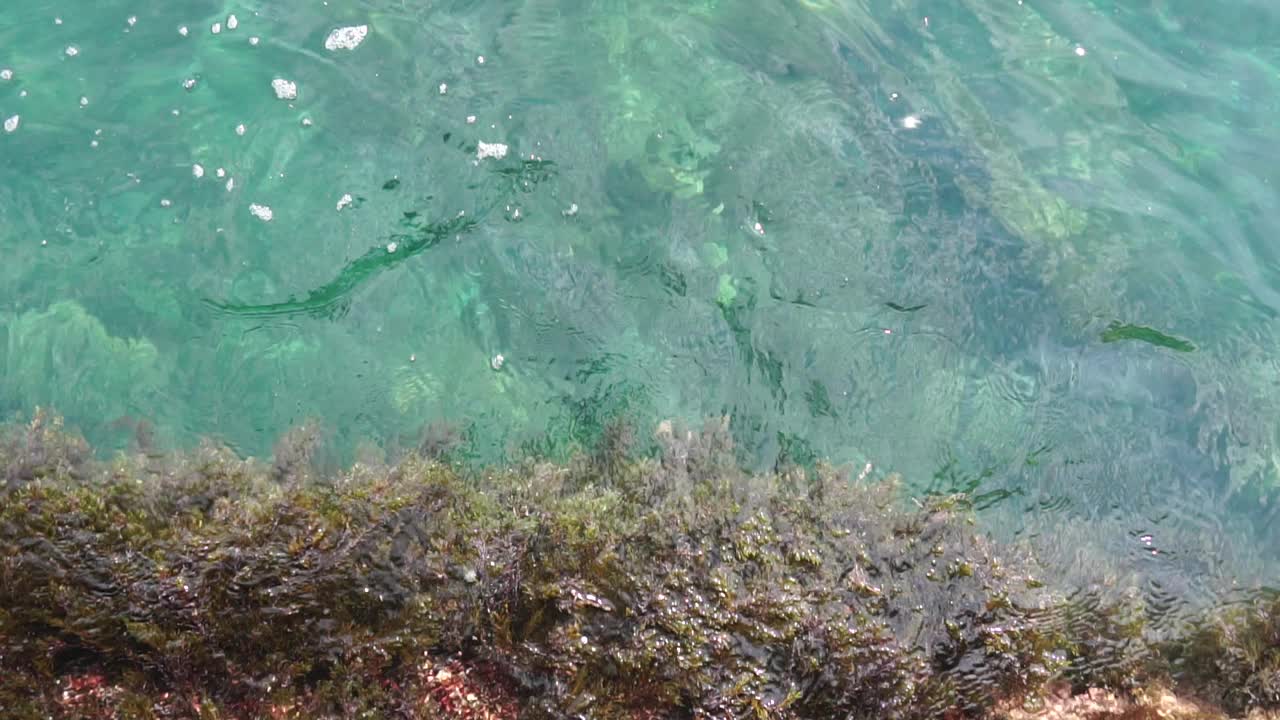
(332, 298)
(614, 585)
(905, 308)
(1118, 331)
(64, 356)
(1232, 655)
(41, 448)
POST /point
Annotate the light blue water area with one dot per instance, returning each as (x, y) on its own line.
(1023, 249)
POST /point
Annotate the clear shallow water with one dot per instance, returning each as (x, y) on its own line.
(888, 233)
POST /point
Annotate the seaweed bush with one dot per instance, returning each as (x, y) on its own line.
(64, 354)
(1232, 656)
(200, 584)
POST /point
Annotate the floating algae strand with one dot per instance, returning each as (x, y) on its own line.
(330, 299)
(1118, 331)
(905, 308)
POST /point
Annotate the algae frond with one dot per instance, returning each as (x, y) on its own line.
(1118, 331)
(332, 298)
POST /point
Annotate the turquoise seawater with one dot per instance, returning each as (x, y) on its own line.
(1025, 249)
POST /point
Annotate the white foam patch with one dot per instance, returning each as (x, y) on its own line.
(346, 38)
(486, 150)
(285, 90)
(262, 212)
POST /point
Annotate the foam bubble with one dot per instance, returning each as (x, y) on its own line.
(262, 212)
(285, 90)
(485, 150)
(346, 38)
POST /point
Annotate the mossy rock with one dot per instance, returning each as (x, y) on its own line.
(614, 585)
